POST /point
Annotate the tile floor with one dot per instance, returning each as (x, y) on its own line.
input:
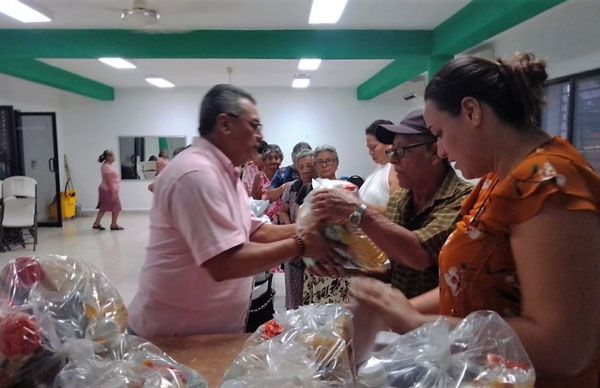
(119, 254)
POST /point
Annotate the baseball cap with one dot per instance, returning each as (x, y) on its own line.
(412, 124)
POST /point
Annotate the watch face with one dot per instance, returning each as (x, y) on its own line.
(354, 218)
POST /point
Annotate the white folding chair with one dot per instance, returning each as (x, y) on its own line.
(19, 195)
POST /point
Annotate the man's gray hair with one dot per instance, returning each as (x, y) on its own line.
(222, 98)
(305, 153)
(325, 148)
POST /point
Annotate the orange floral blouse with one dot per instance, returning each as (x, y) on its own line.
(477, 268)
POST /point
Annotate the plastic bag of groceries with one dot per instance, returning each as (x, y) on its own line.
(308, 347)
(359, 251)
(482, 351)
(50, 304)
(126, 361)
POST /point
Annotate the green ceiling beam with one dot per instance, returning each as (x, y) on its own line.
(482, 19)
(476, 22)
(397, 72)
(39, 72)
(435, 64)
(249, 44)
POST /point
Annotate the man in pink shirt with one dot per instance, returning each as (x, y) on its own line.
(204, 247)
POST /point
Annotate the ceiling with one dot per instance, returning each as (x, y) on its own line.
(247, 14)
(376, 46)
(208, 72)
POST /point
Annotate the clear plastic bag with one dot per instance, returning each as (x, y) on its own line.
(128, 361)
(307, 347)
(482, 351)
(54, 309)
(258, 208)
(359, 251)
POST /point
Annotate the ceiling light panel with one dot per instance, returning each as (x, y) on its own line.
(23, 12)
(309, 64)
(117, 63)
(300, 82)
(326, 11)
(159, 82)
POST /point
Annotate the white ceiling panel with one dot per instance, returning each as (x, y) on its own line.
(206, 72)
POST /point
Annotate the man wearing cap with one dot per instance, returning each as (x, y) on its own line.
(418, 219)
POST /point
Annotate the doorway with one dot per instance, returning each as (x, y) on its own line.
(37, 135)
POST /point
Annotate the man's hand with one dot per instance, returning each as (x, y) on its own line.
(321, 249)
(334, 206)
(388, 303)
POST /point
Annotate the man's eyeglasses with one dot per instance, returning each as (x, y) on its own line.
(254, 124)
(326, 162)
(400, 152)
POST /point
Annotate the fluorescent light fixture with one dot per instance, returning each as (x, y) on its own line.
(301, 81)
(118, 63)
(309, 64)
(22, 12)
(159, 82)
(326, 11)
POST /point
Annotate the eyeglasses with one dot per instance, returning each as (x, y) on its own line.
(400, 152)
(326, 162)
(254, 124)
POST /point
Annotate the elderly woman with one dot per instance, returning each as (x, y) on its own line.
(326, 161)
(271, 157)
(527, 246)
(382, 182)
(253, 167)
(294, 269)
(318, 289)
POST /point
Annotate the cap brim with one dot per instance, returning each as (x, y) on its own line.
(386, 133)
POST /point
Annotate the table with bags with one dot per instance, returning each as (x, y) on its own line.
(209, 355)
(63, 325)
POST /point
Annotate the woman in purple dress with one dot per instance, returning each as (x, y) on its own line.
(108, 192)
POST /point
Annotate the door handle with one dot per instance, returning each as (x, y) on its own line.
(51, 165)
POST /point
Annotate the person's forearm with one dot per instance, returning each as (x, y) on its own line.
(270, 233)
(284, 218)
(274, 194)
(399, 243)
(256, 192)
(427, 303)
(250, 258)
(551, 351)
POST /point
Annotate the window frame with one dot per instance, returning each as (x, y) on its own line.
(572, 80)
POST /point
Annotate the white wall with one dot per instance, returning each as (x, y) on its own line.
(319, 116)
(566, 36)
(31, 97)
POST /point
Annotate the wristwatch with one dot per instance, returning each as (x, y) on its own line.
(356, 216)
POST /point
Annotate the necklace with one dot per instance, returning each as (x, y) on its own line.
(473, 231)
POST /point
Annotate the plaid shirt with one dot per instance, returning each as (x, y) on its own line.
(431, 225)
